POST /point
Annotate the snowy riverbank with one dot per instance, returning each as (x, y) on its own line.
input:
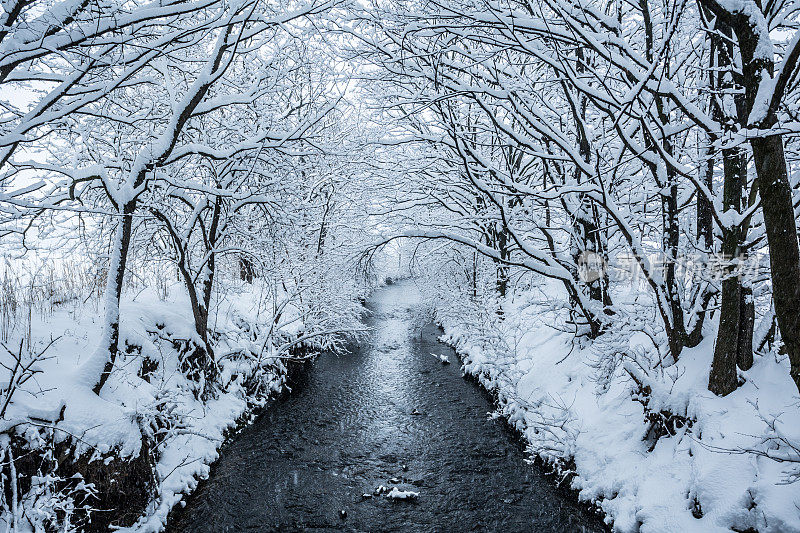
(143, 444)
(649, 444)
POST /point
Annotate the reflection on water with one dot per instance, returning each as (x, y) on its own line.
(317, 457)
(386, 362)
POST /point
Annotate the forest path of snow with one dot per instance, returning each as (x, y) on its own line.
(348, 428)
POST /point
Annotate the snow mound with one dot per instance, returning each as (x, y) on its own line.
(397, 494)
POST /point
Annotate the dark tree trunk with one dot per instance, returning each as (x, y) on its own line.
(496, 236)
(722, 379)
(589, 249)
(671, 243)
(773, 180)
(211, 265)
(502, 268)
(731, 335)
(784, 256)
(209, 362)
(201, 360)
(118, 273)
(247, 272)
(747, 318)
(705, 221)
(678, 337)
(323, 227)
(474, 280)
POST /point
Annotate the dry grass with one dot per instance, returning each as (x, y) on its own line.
(28, 290)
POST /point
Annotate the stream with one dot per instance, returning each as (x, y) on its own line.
(387, 413)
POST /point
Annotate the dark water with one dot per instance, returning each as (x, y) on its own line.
(348, 428)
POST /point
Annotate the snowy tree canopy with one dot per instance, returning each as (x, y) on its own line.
(195, 195)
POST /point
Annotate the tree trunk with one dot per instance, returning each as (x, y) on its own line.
(474, 278)
(747, 318)
(722, 379)
(202, 358)
(211, 264)
(210, 369)
(670, 243)
(589, 249)
(784, 256)
(501, 283)
(247, 272)
(113, 294)
(773, 181)
(705, 221)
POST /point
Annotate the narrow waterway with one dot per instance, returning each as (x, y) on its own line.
(388, 413)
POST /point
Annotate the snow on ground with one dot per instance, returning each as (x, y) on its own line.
(147, 394)
(397, 494)
(577, 406)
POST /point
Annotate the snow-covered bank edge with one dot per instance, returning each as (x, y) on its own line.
(510, 413)
(190, 473)
(180, 472)
(596, 434)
